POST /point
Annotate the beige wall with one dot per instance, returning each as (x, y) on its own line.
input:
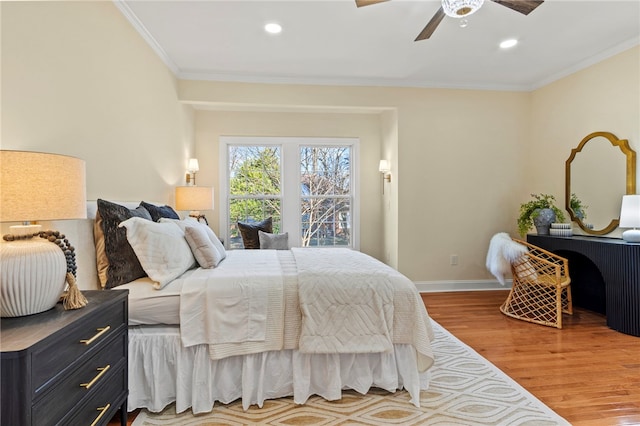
(78, 79)
(456, 163)
(603, 97)
(389, 130)
(210, 125)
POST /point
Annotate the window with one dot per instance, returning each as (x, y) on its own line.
(306, 185)
(325, 195)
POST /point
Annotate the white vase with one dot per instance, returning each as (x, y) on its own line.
(32, 276)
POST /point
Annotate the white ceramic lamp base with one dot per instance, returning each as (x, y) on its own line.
(631, 235)
(32, 276)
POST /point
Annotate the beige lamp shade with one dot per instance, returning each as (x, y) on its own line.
(36, 186)
(39, 186)
(194, 198)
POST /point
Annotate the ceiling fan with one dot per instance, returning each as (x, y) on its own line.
(460, 9)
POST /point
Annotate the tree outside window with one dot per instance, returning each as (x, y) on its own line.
(324, 194)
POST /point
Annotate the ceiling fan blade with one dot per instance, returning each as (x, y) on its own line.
(360, 3)
(431, 26)
(523, 6)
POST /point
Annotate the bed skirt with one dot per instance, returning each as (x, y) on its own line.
(161, 372)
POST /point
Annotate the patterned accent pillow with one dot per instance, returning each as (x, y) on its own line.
(158, 212)
(249, 232)
(274, 241)
(122, 265)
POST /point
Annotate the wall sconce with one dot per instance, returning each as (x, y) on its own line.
(385, 170)
(194, 199)
(33, 270)
(630, 218)
(192, 168)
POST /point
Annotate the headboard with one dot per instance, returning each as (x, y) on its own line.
(79, 232)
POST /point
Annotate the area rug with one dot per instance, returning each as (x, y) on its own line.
(465, 389)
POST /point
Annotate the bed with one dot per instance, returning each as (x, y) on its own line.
(259, 324)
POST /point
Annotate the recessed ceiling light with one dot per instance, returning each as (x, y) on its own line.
(508, 43)
(273, 28)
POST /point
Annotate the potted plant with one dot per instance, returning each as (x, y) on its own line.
(541, 212)
(579, 209)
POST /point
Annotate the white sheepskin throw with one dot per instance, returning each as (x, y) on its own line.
(502, 251)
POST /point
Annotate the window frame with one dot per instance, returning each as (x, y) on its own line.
(290, 191)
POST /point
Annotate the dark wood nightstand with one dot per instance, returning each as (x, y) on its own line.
(66, 367)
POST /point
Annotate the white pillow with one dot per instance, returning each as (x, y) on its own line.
(202, 248)
(190, 221)
(161, 249)
(212, 235)
(525, 271)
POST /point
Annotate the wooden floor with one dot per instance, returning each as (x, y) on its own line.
(586, 372)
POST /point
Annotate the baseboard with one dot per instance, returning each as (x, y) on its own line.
(467, 285)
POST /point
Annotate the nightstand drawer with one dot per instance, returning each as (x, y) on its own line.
(43, 363)
(83, 339)
(102, 404)
(81, 382)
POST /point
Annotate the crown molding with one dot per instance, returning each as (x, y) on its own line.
(579, 66)
(146, 35)
(200, 75)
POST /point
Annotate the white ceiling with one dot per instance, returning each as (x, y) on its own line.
(334, 42)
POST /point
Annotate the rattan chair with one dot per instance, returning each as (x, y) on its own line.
(541, 290)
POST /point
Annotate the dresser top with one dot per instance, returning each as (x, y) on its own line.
(19, 333)
(586, 238)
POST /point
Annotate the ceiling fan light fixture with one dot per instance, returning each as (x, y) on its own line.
(461, 8)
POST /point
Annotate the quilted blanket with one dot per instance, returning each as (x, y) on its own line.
(352, 303)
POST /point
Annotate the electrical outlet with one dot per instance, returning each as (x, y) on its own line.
(454, 259)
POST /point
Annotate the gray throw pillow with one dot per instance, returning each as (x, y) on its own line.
(274, 241)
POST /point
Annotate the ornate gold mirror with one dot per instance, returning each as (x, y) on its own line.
(598, 173)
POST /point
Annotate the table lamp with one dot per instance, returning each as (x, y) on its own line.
(194, 199)
(630, 218)
(37, 186)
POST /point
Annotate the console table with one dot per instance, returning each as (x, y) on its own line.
(618, 264)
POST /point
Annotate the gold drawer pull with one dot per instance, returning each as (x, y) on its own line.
(101, 370)
(100, 332)
(102, 411)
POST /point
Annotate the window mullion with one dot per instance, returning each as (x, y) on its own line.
(291, 192)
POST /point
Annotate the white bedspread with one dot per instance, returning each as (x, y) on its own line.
(236, 308)
(314, 300)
